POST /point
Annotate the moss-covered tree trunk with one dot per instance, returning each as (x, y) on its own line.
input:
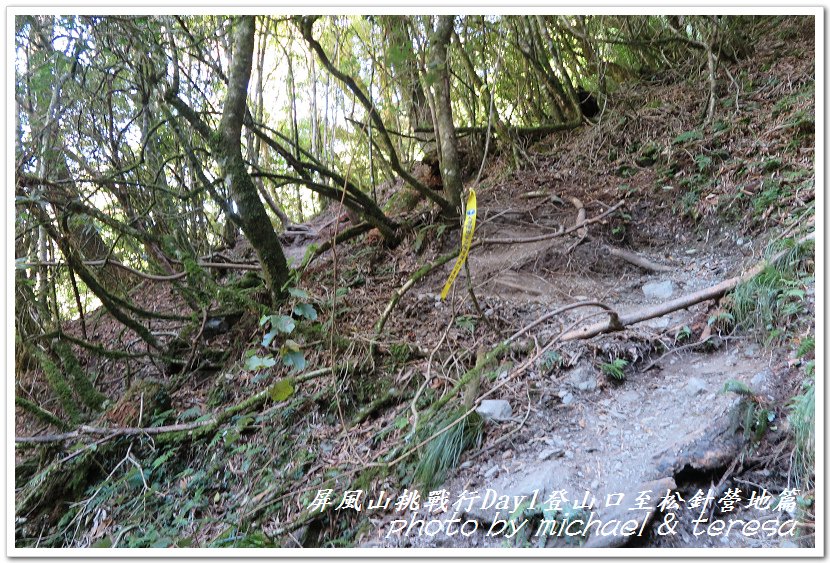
(450, 168)
(253, 220)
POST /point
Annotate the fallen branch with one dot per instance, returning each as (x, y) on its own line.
(211, 422)
(682, 302)
(637, 260)
(419, 273)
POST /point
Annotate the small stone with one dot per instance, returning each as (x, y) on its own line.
(569, 454)
(495, 409)
(466, 465)
(555, 442)
(492, 472)
(739, 242)
(658, 290)
(594, 485)
(567, 399)
(507, 455)
(695, 386)
(547, 454)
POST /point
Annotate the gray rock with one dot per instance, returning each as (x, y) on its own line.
(567, 399)
(760, 380)
(695, 386)
(627, 510)
(495, 409)
(492, 472)
(587, 385)
(540, 480)
(659, 290)
(582, 373)
(630, 396)
(658, 323)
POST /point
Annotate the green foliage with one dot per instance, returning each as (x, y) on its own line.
(400, 352)
(59, 385)
(770, 196)
(290, 352)
(703, 163)
(723, 321)
(648, 155)
(256, 363)
(806, 346)
(749, 413)
(687, 137)
(615, 368)
(466, 322)
(802, 418)
(550, 360)
(683, 333)
(737, 387)
(83, 387)
(775, 297)
(306, 310)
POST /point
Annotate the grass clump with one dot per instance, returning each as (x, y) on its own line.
(442, 453)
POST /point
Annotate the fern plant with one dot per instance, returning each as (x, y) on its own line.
(615, 368)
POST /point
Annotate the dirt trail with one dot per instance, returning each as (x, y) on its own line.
(578, 431)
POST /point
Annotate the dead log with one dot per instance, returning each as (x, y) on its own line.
(682, 302)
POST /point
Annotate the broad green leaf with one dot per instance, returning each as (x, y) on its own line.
(294, 360)
(282, 323)
(258, 362)
(305, 310)
(282, 389)
(298, 293)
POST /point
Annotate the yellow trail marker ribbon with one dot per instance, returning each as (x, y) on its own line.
(466, 241)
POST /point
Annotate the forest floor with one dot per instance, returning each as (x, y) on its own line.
(706, 204)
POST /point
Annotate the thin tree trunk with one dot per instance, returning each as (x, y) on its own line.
(251, 213)
(450, 167)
